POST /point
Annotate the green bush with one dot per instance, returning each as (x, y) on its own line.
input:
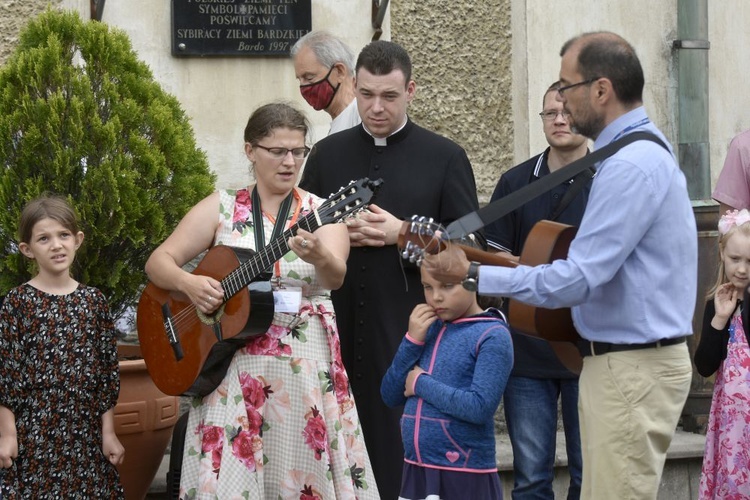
(81, 116)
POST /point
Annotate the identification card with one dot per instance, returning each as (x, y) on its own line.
(287, 300)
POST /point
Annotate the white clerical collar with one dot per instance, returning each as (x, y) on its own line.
(383, 141)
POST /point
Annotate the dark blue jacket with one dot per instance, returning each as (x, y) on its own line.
(449, 424)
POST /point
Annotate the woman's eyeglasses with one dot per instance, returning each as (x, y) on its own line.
(280, 153)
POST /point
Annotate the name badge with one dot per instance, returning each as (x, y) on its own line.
(287, 300)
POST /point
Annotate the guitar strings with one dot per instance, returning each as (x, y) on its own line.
(189, 315)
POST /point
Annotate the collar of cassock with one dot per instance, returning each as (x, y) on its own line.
(394, 137)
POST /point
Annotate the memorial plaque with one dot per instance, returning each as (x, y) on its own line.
(238, 27)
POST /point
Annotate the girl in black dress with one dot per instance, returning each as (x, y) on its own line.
(59, 376)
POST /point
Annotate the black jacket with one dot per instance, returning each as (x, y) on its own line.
(712, 348)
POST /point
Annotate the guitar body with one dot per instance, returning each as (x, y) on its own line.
(547, 242)
(206, 341)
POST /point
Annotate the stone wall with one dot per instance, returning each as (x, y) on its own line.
(13, 15)
(461, 52)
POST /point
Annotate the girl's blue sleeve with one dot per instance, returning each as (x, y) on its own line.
(394, 382)
(480, 401)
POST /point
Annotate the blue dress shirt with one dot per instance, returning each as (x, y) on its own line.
(632, 270)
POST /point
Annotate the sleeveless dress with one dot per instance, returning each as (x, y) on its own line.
(726, 461)
(283, 423)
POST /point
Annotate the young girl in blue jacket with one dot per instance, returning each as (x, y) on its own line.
(450, 372)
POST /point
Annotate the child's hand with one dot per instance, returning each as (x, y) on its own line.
(410, 378)
(112, 448)
(725, 303)
(420, 320)
(8, 451)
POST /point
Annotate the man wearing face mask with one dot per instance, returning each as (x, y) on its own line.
(324, 66)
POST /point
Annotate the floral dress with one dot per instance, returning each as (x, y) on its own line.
(58, 375)
(726, 462)
(282, 424)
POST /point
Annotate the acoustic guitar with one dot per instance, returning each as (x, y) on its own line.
(547, 241)
(188, 352)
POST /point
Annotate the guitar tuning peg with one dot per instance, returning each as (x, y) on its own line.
(408, 252)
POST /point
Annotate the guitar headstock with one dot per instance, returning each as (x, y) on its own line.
(349, 200)
(418, 236)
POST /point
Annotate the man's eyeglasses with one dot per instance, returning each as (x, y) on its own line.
(280, 153)
(561, 90)
(550, 116)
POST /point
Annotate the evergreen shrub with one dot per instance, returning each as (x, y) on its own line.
(82, 117)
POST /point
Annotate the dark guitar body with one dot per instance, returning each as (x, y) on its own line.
(548, 241)
(207, 342)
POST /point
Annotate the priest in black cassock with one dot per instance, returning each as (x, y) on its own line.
(425, 174)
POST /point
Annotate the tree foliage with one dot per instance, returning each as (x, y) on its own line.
(81, 116)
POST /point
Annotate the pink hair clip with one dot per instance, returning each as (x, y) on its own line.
(733, 218)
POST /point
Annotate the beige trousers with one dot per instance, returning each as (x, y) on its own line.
(629, 404)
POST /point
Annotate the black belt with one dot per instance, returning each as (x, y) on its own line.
(590, 348)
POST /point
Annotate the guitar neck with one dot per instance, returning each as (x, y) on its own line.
(265, 258)
(417, 237)
(494, 259)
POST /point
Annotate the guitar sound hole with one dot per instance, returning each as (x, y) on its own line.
(213, 318)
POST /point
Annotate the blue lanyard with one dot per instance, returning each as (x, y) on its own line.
(630, 128)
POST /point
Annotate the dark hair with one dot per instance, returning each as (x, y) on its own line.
(327, 48)
(382, 57)
(46, 207)
(270, 117)
(551, 88)
(607, 55)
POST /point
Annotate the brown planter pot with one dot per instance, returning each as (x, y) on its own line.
(144, 417)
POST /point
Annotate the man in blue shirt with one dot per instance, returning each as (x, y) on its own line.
(630, 277)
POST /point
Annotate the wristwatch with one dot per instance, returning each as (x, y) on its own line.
(471, 281)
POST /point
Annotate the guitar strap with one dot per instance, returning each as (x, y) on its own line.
(281, 217)
(476, 220)
(579, 182)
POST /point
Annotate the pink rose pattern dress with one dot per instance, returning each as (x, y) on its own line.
(726, 462)
(282, 424)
